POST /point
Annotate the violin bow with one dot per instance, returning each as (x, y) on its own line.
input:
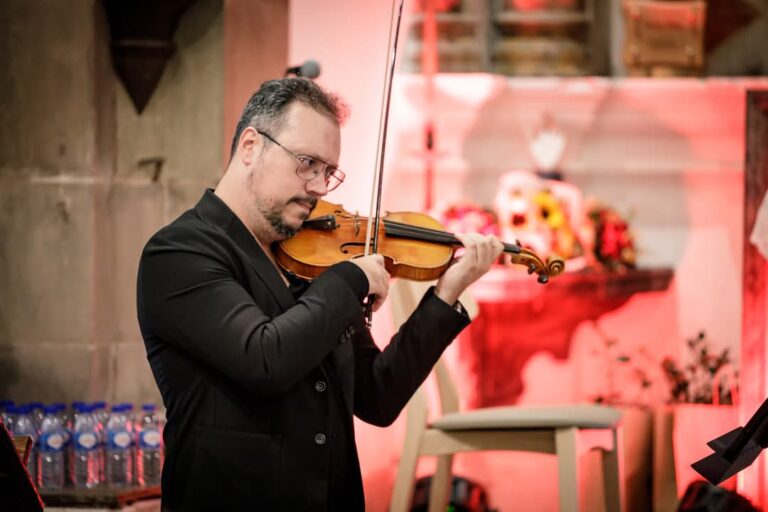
(372, 236)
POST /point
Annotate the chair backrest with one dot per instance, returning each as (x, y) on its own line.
(449, 396)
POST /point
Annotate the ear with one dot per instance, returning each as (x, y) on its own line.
(249, 145)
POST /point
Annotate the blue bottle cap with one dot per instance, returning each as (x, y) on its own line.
(148, 407)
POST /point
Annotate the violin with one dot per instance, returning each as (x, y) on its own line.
(414, 245)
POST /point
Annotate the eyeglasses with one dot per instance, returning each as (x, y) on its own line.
(310, 167)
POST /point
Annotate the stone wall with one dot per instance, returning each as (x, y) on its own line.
(79, 201)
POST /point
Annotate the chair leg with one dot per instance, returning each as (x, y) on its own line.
(440, 489)
(416, 419)
(613, 477)
(567, 468)
(402, 493)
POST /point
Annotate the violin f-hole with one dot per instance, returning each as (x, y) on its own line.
(344, 248)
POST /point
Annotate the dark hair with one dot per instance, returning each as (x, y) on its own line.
(265, 110)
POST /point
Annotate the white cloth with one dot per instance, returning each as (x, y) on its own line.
(759, 236)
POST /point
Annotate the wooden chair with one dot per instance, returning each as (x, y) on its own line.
(564, 431)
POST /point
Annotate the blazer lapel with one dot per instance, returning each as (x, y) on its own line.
(215, 211)
(262, 265)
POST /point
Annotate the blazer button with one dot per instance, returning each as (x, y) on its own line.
(320, 386)
(320, 439)
(347, 335)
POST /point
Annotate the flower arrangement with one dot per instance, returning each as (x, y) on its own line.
(699, 381)
(614, 246)
(468, 217)
(604, 238)
(563, 240)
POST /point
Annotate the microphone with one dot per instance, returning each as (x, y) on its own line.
(310, 69)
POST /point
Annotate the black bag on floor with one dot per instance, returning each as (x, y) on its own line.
(466, 496)
(702, 496)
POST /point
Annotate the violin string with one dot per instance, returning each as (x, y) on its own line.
(420, 233)
(422, 229)
(417, 230)
(419, 237)
(395, 228)
(451, 238)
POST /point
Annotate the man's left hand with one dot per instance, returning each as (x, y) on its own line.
(480, 251)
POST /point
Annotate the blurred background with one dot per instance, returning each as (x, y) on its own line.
(627, 136)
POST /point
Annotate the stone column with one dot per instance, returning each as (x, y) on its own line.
(85, 181)
(56, 147)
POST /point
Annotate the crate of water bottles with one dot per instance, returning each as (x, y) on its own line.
(88, 445)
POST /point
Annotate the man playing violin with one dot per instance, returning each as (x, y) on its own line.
(260, 371)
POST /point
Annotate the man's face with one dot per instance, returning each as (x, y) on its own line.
(275, 191)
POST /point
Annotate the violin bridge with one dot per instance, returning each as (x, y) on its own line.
(357, 223)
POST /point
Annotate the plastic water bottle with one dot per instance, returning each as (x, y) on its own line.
(86, 447)
(61, 412)
(8, 411)
(119, 449)
(101, 414)
(65, 415)
(25, 426)
(37, 413)
(50, 454)
(100, 417)
(66, 425)
(149, 455)
(4, 404)
(130, 419)
(70, 416)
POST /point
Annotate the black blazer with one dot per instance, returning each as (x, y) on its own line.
(238, 363)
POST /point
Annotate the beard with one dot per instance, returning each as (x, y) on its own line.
(274, 215)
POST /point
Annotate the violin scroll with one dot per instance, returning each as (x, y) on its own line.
(553, 266)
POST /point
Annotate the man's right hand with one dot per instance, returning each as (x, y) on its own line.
(378, 277)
